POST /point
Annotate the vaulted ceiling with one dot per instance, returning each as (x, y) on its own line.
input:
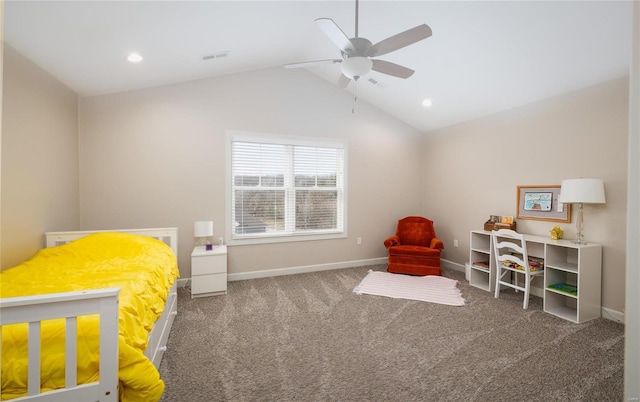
(483, 57)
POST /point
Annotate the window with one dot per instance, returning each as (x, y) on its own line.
(285, 188)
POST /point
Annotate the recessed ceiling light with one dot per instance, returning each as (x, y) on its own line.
(134, 58)
(427, 103)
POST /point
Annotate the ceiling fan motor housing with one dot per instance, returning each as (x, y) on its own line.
(360, 48)
(356, 64)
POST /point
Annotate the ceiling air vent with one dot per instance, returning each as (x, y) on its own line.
(215, 55)
(377, 83)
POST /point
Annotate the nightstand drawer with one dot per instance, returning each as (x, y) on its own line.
(208, 265)
(209, 284)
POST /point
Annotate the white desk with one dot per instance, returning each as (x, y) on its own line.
(579, 265)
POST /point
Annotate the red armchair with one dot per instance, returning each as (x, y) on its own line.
(414, 249)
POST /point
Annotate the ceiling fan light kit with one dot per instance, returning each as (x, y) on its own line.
(357, 52)
(356, 67)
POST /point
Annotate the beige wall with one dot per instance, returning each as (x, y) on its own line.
(480, 163)
(156, 157)
(39, 157)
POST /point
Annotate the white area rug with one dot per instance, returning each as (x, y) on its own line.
(433, 289)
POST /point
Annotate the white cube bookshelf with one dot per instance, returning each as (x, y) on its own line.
(566, 265)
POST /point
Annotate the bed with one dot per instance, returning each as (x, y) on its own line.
(80, 332)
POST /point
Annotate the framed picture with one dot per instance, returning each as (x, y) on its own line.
(541, 203)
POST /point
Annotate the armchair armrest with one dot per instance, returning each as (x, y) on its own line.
(392, 241)
(436, 243)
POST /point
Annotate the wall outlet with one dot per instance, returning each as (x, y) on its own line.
(359, 240)
(455, 243)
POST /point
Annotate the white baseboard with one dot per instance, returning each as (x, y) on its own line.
(612, 315)
(182, 282)
(304, 269)
(452, 265)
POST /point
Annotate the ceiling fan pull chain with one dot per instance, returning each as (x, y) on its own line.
(355, 96)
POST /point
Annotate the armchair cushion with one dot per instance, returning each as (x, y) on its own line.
(414, 250)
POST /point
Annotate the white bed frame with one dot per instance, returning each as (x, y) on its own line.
(34, 309)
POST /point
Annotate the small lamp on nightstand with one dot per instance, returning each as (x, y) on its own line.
(581, 191)
(203, 231)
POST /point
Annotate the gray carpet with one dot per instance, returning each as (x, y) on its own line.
(308, 337)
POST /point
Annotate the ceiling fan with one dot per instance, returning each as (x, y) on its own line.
(357, 52)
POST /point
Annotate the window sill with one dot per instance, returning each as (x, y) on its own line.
(284, 239)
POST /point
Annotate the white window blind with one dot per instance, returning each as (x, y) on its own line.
(283, 189)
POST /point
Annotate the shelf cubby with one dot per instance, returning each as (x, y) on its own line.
(482, 275)
(577, 265)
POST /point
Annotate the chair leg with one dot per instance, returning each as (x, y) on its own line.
(498, 278)
(527, 289)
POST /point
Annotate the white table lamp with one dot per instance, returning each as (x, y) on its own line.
(203, 231)
(581, 191)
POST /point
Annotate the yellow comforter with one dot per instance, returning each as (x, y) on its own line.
(143, 268)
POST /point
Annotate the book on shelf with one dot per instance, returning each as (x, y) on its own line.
(565, 288)
(482, 264)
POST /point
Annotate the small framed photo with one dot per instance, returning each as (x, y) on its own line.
(541, 203)
(507, 219)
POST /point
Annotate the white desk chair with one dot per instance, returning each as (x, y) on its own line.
(512, 260)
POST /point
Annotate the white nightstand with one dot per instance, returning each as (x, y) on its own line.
(209, 271)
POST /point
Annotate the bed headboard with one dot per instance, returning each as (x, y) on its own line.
(167, 235)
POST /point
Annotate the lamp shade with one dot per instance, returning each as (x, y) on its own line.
(203, 229)
(586, 191)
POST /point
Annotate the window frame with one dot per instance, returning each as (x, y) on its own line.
(268, 138)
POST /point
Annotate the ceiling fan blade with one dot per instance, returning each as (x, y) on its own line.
(396, 70)
(343, 81)
(337, 36)
(312, 63)
(400, 40)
